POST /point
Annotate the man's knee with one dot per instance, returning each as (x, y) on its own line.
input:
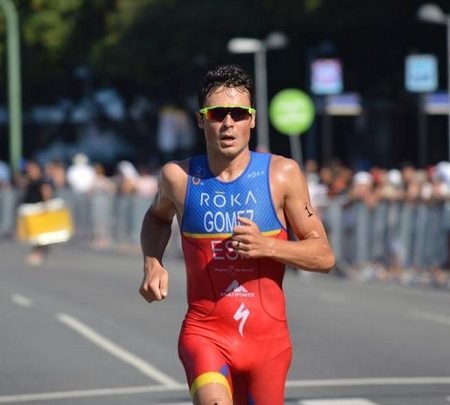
(211, 388)
(212, 394)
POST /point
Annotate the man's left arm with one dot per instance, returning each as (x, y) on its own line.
(311, 251)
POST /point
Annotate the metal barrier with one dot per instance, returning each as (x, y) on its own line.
(102, 220)
(392, 233)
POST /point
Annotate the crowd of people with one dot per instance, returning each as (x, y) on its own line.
(325, 183)
(404, 221)
(87, 188)
(82, 176)
(375, 184)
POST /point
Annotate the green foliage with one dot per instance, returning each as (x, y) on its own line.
(50, 24)
(162, 47)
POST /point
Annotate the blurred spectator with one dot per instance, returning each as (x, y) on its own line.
(362, 188)
(443, 171)
(393, 186)
(36, 189)
(146, 183)
(408, 173)
(102, 192)
(167, 133)
(441, 180)
(127, 178)
(341, 182)
(175, 133)
(186, 134)
(318, 191)
(414, 185)
(5, 174)
(80, 175)
(56, 172)
(7, 201)
(102, 183)
(311, 171)
(146, 189)
(326, 176)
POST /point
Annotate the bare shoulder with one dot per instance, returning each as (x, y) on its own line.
(174, 172)
(285, 171)
(173, 180)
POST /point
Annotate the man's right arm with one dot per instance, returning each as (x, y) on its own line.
(155, 234)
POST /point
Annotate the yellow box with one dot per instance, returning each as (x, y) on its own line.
(44, 223)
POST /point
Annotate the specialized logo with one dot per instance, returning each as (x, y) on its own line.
(237, 290)
(241, 315)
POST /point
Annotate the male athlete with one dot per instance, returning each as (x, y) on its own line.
(233, 207)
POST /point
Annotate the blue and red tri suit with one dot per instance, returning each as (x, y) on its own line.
(235, 331)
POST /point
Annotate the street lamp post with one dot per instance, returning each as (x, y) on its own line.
(275, 40)
(433, 14)
(14, 84)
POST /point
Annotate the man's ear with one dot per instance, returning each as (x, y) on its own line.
(253, 122)
(199, 118)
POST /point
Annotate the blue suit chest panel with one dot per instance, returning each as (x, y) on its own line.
(212, 206)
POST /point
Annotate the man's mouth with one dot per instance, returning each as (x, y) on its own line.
(227, 138)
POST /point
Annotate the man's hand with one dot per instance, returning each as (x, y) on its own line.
(248, 240)
(155, 284)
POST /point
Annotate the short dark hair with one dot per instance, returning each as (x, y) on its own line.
(227, 76)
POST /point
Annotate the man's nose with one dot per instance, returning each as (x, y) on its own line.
(228, 120)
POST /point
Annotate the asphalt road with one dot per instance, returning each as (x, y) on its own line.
(75, 332)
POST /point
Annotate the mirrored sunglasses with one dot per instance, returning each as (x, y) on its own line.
(218, 113)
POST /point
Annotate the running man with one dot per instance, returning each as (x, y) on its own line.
(233, 207)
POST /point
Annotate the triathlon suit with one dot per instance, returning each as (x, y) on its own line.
(235, 331)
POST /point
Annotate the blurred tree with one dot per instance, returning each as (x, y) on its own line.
(56, 37)
(162, 47)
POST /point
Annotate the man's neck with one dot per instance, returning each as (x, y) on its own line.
(227, 168)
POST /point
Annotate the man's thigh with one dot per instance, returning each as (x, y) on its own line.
(206, 370)
(265, 384)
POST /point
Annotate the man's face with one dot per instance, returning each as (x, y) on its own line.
(227, 137)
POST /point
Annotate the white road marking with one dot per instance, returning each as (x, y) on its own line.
(45, 396)
(430, 316)
(21, 300)
(112, 348)
(355, 382)
(341, 401)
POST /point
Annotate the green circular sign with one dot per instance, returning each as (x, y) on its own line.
(291, 112)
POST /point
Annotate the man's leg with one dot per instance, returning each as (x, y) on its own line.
(214, 391)
(266, 383)
(207, 372)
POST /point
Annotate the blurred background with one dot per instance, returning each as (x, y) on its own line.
(99, 94)
(97, 73)
(95, 95)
